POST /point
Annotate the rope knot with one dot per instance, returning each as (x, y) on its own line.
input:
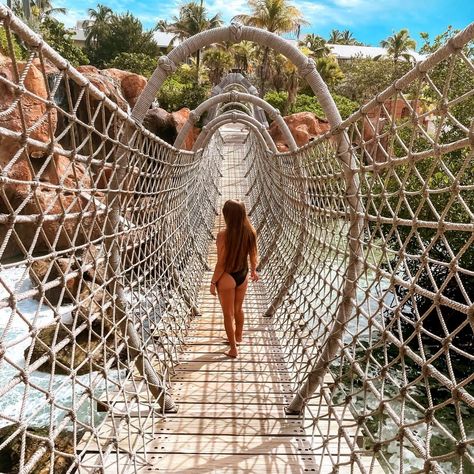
(165, 63)
(274, 114)
(233, 97)
(193, 117)
(307, 68)
(235, 31)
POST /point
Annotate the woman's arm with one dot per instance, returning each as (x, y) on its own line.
(220, 265)
(253, 256)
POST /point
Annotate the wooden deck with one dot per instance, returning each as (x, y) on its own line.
(231, 416)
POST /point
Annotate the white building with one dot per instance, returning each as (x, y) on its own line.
(79, 36)
(345, 52)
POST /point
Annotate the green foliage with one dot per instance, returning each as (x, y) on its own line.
(4, 48)
(342, 37)
(138, 63)
(121, 34)
(182, 90)
(364, 78)
(316, 44)
(59, 38)
(307, 103)
(218, 62)
(191, 20)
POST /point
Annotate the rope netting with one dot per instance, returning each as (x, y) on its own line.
(365, 240)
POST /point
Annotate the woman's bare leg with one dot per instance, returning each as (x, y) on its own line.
(240, 292)
(226, 292)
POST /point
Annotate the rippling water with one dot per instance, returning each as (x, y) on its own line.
(29, 402)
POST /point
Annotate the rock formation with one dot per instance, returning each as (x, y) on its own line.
(167, 125)
(304, 126)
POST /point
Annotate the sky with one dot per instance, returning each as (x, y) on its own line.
(369, 20)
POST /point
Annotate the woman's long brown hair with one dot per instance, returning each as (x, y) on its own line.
(241, 238)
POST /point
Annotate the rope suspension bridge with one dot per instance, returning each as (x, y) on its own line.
(358, 348)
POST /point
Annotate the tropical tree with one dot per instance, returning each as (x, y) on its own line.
(243, 54)
(217, 62)
(191, 20)
(98, 24)
(329, 70)
(398, 45)
(42, 9)
(34, 12)
(276, 16)
(60, 38)
(122, 34)
(342, 37)
(364, 77)
(139, 63)
(316, 44)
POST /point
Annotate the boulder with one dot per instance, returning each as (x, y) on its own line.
(105, 84)
(161, 123)
(166, 125)
(12, 452)
(40, 120)
(132, 86)
(179, 118)
(47, 270)
(79, 353)
(42, 199)
(304, 126)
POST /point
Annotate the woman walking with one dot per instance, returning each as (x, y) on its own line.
(236, 245)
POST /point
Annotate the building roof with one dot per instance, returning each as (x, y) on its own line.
(346, 51)
(164, 39)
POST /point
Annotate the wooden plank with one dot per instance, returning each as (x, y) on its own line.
(232, 366)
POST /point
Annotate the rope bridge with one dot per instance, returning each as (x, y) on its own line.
(366, 262)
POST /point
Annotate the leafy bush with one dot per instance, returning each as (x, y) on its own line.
(139, 63)
(182, 90)
(124, 34)
(307, 103)
(4, 48)
(59, 38)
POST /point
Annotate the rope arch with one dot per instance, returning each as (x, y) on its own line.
(235, 97)
(229, 106)
(236, 33)
(230, 82)
(235, 117)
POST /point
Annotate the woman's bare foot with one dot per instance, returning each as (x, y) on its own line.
(233, 353)
(227, 342)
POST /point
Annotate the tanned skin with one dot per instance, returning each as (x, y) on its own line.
(231, 297)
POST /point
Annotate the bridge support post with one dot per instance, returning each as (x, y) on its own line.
(155, 382)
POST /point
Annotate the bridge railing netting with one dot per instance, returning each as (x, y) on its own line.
(104, 232)
(402, 368)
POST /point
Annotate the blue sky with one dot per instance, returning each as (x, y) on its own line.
(369, 20)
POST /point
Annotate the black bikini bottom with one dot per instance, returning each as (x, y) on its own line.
(239, 276)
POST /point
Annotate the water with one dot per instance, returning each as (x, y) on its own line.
(29, 403)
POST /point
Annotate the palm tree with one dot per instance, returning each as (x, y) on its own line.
(398, 45)
(334, 37)
(44, 8)
(276, 16)
(191, 20)
(342, 37)
(98, 23)
(217, 62)
(316, 44)
(243, 53)
(329, 70)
